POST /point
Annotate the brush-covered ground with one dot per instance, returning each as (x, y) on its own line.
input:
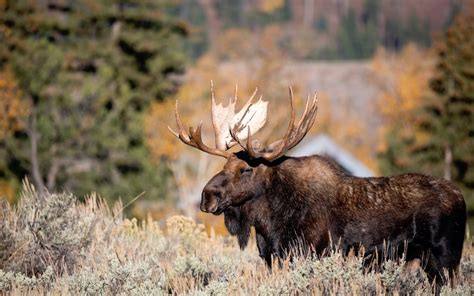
(53, 245)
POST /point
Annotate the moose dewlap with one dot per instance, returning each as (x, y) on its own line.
(309, 202)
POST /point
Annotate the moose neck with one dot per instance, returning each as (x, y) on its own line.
(298, 189)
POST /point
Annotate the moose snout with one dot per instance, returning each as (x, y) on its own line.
(209, 202)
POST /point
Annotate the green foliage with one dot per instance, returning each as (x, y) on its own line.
(196, 43)
(356, 41)
(318, 29)
(358, 37)
(447, 118)
(398, 34)
(90, 70)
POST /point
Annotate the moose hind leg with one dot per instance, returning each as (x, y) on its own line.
(446, 247)
(443, 259)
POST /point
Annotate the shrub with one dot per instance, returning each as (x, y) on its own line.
(43, 230)
(52, 244)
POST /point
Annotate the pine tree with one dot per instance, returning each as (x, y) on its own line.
(357, 39)
(90, 70)
(447, 117)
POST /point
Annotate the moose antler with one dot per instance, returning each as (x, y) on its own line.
(252, 116)
(294, 134)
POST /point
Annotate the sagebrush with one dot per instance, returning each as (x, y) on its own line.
(52, 244)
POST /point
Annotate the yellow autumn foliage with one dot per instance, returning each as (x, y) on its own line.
(236, 43)
(13, 109)
(345, 129)
(403, 79)
(7, 190)
(269, 6)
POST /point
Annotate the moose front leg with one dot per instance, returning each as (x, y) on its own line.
(264, 250)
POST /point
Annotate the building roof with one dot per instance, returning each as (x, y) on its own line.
(322, 144)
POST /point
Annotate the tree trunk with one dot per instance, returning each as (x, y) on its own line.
(35, 169)
(52, 173)
(448, 161)
(213, 22)
(115, 32)
(308, 18)
(297, 13)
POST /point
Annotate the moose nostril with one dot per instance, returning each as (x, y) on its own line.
(203, 208)
(213, 208)
(202, 205)
(210, 201)
(205, 196)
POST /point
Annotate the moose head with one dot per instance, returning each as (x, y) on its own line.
(246, 172)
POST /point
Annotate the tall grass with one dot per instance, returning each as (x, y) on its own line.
(51, 244)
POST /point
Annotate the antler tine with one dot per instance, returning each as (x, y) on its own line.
(173, 132)
(247, 145)
(240, 125)
(248, 104)
(235, 93)
(234, 134)
(280, 145)
(253, 95)
(219, 113)
(194, 138)
(176, 116)
(306, 121)
(182, 132)
(213, 104)
(291, 124)
(213, 98)
(306, 108)
(293, 135)
(308, 114)
(251, 150)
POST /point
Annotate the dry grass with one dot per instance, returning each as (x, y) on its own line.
(56, 246)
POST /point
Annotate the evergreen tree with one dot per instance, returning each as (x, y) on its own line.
(397, 34)
(90, 69)
(447, 119)
(358, 39)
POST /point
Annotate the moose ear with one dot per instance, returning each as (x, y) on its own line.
(238, 225)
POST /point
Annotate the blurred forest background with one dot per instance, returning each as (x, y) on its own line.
(87, 88)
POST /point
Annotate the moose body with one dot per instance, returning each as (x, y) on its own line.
(309, 203)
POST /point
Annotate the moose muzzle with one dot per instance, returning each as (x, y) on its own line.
(209, 202)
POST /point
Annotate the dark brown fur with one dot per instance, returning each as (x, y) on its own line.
(309, 201)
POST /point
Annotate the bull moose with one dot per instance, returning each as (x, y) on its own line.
(311, 202)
